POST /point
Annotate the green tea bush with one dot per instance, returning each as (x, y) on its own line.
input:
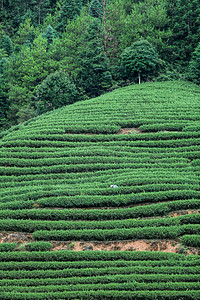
(38, 246)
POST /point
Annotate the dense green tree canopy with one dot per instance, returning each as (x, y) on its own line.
(69, 10)
(55, 91)
(99, 43)
(141, 58)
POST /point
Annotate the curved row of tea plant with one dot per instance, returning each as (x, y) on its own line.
(56, 177)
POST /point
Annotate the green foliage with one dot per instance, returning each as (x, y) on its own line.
(141, 58)
(194, 66)
(4, 102)
(38, 246)
(164, 232)
(49, 35)
(185, 23)
(7, 247)
(69, 10)
(94, 75)
(55, 91)
(69, 159)
(6, 45)
(26, 32)
(192, 240)
(96, 9)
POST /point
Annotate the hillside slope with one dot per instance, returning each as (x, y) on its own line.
(56, 179)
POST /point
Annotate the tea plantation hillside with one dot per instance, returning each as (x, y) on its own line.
(56, 178)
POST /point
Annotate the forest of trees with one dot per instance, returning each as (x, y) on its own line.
(56, 52)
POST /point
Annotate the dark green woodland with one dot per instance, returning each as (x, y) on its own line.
(93, 43)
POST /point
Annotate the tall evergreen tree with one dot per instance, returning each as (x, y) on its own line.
(49, 35)
(4, 102)
(194, 66)
(94, 75)
(69, 10)
(6, 45)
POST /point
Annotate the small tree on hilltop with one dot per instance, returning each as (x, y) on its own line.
(55, 91)
(139, 60)
(194, 66)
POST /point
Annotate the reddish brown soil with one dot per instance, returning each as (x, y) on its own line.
(15, 237)
(172, 246)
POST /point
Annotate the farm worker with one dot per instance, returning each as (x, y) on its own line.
(113, 186)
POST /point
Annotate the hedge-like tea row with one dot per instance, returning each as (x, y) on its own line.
(7, 247)
(118, 137)
(117, 200)
(112, 294)
(53, 198)
(103, 179)
(161, 232)
(131, 286)
(147, 278)
(9, 162)
(89, 167)
(97, 151)
(91, 256)
(74, 194)
(38, 246)
(136, 143)
(56, 265)
(19, 210)
(96, 271)
(142, 174)
(33, 225)
(192, 240)
(92, 189)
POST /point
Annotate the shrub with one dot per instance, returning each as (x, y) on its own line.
(55, 91)
(39, 246)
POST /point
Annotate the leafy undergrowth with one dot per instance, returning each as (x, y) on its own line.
(57, 175)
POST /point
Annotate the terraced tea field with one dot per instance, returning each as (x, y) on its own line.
(56, 176)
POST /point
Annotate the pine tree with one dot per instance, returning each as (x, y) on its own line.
(69, 10)
(4, 103)
(94, 75)
(49, 35)
(194, 66)
(6, 45)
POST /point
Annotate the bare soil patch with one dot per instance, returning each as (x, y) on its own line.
(173, 246)
(15, 237)
(183, 212)
(129, 131)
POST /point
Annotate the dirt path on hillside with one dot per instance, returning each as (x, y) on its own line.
(173, 246)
